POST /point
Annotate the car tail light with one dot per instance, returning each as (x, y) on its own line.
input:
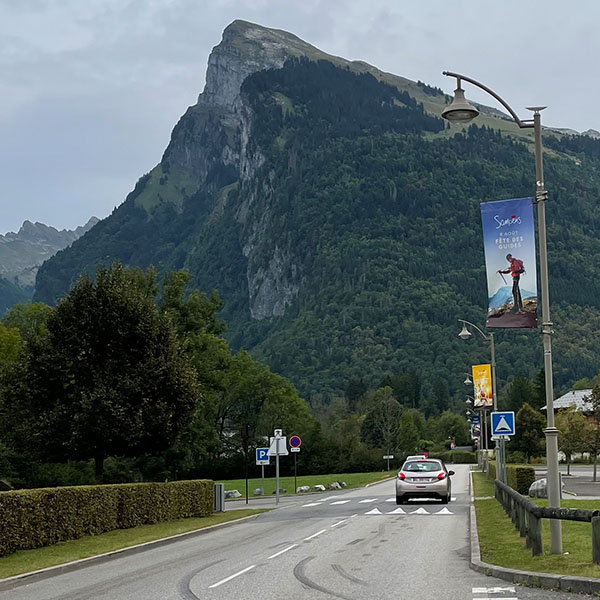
(442, 475)
(401, 475)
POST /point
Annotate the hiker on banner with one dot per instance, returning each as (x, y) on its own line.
(516, 270)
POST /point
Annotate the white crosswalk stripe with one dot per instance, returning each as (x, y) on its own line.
(367, 500)
(340, 502)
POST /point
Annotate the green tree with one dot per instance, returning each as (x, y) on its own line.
(109, 378)
(30, 319)
(382, 420)
(573, 433)
(529, 432)
(519, 391)
(594, 432)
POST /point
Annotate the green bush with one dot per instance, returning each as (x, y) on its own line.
(518, 478)
(456, 456)
(35, 518)
(517, 457)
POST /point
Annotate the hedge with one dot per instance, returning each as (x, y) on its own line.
(41, 517)
(456, 456)
(518, 478)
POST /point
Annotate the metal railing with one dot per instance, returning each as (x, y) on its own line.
(527, 518)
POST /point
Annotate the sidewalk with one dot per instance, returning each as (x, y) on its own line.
(555, 581)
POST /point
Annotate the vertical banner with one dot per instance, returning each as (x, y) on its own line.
(482, 387)
(509, 243)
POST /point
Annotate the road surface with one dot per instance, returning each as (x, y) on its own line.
(351, 545)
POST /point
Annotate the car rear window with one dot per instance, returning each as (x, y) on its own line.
(422, 465)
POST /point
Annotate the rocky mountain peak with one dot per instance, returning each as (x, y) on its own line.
(245, 49)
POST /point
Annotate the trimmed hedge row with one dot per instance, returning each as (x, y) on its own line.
(518, 478)
(458, 457)
(41, 517)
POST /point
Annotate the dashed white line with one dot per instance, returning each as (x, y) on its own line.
(314, 535)
(214, 585)
(281, 552)
(494, 590)
(367, 500)
(339, 502)
(339, 523)
(312, 504)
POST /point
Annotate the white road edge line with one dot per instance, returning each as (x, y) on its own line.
(281, 551)
(339, 523)
(314, 535)
(214, 585)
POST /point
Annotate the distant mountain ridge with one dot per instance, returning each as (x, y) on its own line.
(22, 253)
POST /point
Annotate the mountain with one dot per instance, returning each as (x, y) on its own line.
(504, 295)
(23, 252)
(338, 217)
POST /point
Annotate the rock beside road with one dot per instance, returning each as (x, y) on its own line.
(232, 494)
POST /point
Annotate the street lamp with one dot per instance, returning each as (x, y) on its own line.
(461, 111)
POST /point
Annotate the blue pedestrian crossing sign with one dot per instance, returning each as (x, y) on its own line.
(503, 423)
(262, 458)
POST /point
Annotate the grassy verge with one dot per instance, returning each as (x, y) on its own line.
(501, 544)
(26, 561)
(353, 480)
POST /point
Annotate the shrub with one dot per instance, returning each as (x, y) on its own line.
(516, 457)
(518, 478)
(456, 456)
(35, 518)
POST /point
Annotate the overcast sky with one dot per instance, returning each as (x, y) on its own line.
(91, 89)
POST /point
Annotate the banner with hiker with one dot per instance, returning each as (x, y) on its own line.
(482, 387)
(510, 259)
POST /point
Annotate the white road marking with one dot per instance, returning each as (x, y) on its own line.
(281, 552)
(391, 500)
(375, 511)
(444, 511)
(339, 523)
(453, 499)
(330, 498)
(398, 511)
(312, 504)
(419, 511)
(314, 535)
(495, 598)
(214, 585)
(354, 515)
(494, 590)
(339, 502)
(367, 500)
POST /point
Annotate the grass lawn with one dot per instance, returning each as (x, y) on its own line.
(501, 544)
(26, 561)
(354, 480)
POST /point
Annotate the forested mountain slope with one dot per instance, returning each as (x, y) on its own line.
(338, 217)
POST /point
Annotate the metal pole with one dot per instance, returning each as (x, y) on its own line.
(262, 469)
(295, 486)
(500, 446)
(551, 431)
(277, 468)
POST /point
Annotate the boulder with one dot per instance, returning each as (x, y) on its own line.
(318, 488)
(281, 491)
(539, 488)
(343, 484)
(302, 488)
(334, 485)
(257, 492)
(232, 494)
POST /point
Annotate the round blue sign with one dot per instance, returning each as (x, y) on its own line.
(295, 441)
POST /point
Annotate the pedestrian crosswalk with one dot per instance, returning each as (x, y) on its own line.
(332, 502)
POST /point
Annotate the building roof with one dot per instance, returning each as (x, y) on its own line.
(576, 397)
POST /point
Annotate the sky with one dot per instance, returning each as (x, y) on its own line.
(90, 90)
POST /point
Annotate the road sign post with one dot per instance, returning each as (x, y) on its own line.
(295, 443)
(388, 457)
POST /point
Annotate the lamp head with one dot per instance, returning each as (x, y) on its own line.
(459, 110)
(465, 334)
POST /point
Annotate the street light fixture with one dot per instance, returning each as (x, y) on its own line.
(461, 111)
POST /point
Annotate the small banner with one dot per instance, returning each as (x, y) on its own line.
(509, 244)
(482, 387)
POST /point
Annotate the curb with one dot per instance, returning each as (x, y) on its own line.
(10, 583)
(553, 581)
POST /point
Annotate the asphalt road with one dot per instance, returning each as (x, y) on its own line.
(580, 482)
(351, 545)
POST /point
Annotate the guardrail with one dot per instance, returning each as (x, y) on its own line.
(527, 518)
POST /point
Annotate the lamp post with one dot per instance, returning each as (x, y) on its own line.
(460, 110)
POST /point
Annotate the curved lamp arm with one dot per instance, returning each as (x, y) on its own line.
(483, 335)
(522, 124)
